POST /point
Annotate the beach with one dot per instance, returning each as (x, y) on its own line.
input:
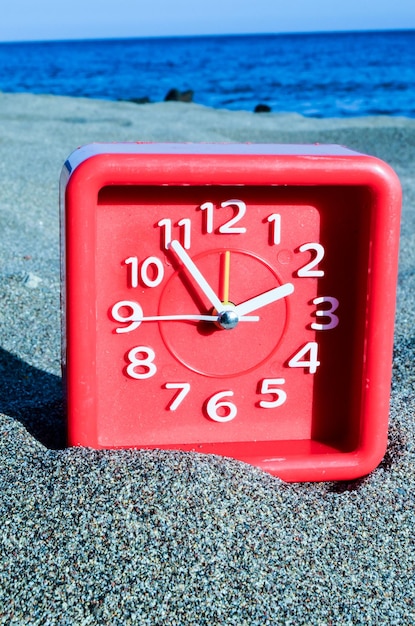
(162, 537)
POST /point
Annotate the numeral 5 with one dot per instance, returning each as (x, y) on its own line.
(272, 386)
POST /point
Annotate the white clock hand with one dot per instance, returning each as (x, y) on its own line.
(196, 275)
(264, 298)
(196, 318)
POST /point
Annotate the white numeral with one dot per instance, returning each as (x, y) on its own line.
(311, 363)
(228, 227)
(134, 318)
(275, 228)
(185, 226)
(157, 269)
(133, 261)
(308, 271)
(271, 385)
(329, 313)
(215, 408)
(208, 208)
(140, 368)
(184, 389)
(165, 225)
(150, 273)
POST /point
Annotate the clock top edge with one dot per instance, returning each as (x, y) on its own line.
(88, 151)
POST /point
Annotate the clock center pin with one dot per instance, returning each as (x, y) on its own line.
(228, 319)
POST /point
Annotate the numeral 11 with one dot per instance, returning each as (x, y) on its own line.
(185, 226)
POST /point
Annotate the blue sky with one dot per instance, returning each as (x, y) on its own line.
(75, 19)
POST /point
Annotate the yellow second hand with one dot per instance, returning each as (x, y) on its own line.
(226, 275)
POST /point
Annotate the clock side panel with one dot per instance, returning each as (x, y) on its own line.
(340, 387)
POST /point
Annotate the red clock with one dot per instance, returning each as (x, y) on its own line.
(231, 299)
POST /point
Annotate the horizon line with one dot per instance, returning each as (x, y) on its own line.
(208, 35)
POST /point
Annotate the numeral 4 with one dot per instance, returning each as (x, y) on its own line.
(311, 364)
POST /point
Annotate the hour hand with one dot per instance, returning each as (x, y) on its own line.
(194, 272)
(264, 298)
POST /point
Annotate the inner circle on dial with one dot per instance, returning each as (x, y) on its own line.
(206, 347)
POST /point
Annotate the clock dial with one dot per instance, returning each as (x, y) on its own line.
(206, 348)
(231, 299)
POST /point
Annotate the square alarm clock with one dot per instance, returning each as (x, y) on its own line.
(235, 299)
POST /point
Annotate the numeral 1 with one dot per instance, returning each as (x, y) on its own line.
(275, 228)
(133, 262)
(208, 207)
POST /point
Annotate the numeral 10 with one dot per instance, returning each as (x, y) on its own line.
(149, 272)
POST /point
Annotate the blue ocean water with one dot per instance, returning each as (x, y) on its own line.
(319, 75)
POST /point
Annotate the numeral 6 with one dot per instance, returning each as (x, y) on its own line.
(215, 409)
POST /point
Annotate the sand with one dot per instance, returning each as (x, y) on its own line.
(130, 537)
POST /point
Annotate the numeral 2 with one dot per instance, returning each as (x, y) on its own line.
(308, 271)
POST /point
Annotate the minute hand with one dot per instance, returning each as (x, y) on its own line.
(264, 298)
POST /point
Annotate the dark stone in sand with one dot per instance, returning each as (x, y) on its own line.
(174, 95)
(262, 108)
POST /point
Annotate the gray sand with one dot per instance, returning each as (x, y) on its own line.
(153, 537)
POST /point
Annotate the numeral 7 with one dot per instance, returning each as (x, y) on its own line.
(184, 389)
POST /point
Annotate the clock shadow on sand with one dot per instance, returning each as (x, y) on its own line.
(34, 398)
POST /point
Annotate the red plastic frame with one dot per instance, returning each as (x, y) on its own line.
(89, 170)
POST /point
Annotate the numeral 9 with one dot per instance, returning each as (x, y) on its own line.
(134, 318)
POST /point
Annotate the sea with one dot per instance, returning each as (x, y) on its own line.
(339, 74)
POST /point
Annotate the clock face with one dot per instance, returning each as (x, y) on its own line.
(159, 337)
(229, 318)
